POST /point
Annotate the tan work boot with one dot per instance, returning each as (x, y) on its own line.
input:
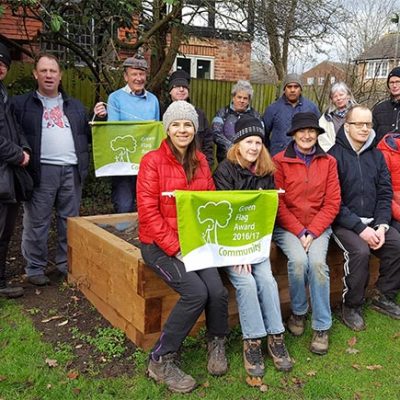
(319, 342)
(166, 371)
(278, 352)
(217, 362)
(253, 358)
(296, 324)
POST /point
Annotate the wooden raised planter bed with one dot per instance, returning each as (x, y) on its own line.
(112, 275)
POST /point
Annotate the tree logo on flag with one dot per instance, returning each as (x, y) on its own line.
(216, 215)
(124, 145)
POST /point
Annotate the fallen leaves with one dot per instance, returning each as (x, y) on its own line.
(63, 323)
(374, 367)
(51, 362)
(352, 342)
(45, 321)
(254, 381)
(311, 373)
(396, 335)
(351, 350)
(73, 375)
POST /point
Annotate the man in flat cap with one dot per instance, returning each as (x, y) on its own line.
(130, 103)
(278, 116)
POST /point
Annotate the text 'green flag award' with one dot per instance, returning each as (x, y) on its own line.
(222, 228)
(118, 146)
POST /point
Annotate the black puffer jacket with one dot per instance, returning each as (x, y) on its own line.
(28, 109)
(386, 118)
(12, 142)
(230, 176)
(365, 184)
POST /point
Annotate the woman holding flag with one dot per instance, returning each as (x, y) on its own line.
(249, 166)
(306, 210)
(177, 165)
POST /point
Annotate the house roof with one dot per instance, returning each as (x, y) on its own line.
(385, 48)
(327, 65)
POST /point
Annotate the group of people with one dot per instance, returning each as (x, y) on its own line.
(339, 177)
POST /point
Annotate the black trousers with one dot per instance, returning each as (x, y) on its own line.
(356, 265)
(199, 290)
(8, 216)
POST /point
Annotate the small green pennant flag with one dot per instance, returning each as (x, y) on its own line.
(227, 227)
(118, 146)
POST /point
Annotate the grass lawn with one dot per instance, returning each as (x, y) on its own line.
(363, 365)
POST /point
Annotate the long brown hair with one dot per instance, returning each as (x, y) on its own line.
(189, 161)
(263, 165)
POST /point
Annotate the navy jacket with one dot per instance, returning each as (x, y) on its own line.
(365, 184)
(29, 111)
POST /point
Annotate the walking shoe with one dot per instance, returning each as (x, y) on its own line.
(253, 358)
(319, 342)
(166, 371)
(39, 280)
(278, 352)
(385, 305)
(296, 324)
(11, 292)
(217, 362)
(352, 318)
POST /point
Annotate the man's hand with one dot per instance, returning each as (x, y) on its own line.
(245, 268)
(26, 159)
(100, 109)
(374, 238)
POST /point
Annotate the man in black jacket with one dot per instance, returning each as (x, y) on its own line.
(14, 152)
(362, 225)
(386, 114)
(56, 127)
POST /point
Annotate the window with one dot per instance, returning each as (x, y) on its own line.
(377, 69)
(196, 67)
(82, 35)
(333, 80)
(321, 80)
(310, 80)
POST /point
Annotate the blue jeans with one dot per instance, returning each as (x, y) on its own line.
(307, 269)
(123, 193)
(60, 189)
(257, 297)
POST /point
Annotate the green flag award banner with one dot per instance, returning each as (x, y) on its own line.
(227, 227)
(118, 146)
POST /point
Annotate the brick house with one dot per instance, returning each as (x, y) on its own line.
(374, 64)
(210, 52)
(326, 72)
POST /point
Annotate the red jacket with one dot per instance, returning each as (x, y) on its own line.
(312, 194)
(161, 172)
(390, 147)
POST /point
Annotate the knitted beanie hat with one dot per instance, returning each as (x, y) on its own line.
(5, 55)
(246, 126)
(179, 78)
(180, 109)
(394, 72)
(292, 78)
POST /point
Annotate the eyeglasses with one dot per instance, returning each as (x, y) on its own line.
(394, 83)
(361, 124)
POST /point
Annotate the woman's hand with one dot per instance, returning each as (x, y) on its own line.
(245, 269)
(306, 241)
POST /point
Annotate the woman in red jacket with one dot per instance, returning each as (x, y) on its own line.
(177, 165)
(390, 147)
(306, 210)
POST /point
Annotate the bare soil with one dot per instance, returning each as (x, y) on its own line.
(58, 311)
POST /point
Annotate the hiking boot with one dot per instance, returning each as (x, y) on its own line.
(278, 352)
(166, 371)
(319, 342)
(11, 292)
(253, 358)
(296, 324)
(352, 318)
(39, 280)
(217, 363)
(385, 305)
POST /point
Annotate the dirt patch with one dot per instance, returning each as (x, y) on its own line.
(68, 321)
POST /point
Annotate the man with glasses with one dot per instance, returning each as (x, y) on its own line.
(362, 225)
(386, 114)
